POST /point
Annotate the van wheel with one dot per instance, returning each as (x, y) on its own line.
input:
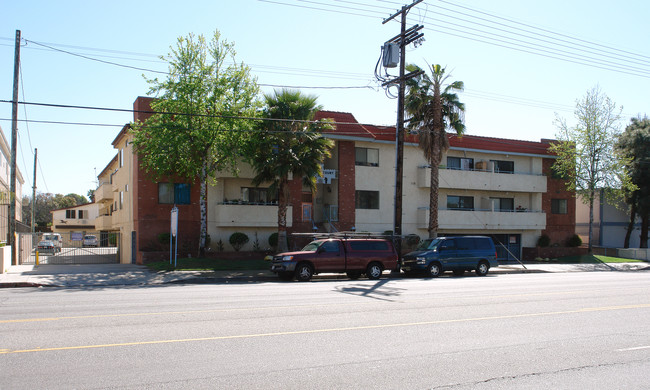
(482, 268)
(433, 271)
(304, 272)
(354, 275)
(459, 272)
(373, 272)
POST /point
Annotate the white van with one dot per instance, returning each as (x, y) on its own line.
(56, 240)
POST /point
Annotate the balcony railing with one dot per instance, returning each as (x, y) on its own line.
(483, 180)
(104, 222)
(484, 219)
(104, 193)
(249, 215)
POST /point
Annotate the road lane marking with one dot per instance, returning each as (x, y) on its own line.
(328, 330)
(293, 307)
(633, 348)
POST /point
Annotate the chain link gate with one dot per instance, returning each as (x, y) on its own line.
(73, 249)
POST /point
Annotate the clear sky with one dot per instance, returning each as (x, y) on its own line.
(522, 63)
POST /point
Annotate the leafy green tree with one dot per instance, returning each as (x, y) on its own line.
(586, 156)
(195, 130)
(289, 142)
(634, 144)
(433, 107)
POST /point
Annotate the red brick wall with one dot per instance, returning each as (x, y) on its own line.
(559, 227)
(151, 218)
(347, 186)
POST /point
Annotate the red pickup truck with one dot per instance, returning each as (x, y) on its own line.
(353, 256)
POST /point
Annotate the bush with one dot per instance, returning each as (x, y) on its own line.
(163, 238)
(273, 240)
(544, 241)
(238, 240)
(574, 241)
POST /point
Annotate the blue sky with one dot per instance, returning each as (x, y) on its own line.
(522, 63)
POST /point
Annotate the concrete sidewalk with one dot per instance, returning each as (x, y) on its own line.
(107, 275)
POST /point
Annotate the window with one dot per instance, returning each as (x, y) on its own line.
(330, 247)
(559, 206)
(366, 157)
(173, 193)
(460, 202)
(504, 166)
(121, 199)
(369, 245)
(465, 164)
(71, 214)
(121, 158)
(503, 204)
(258, 195)
(83, 214)
(367, 199)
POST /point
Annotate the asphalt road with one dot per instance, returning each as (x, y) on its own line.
(526, 331)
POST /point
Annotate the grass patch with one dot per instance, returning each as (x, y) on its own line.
(590, 259)
(202, 264)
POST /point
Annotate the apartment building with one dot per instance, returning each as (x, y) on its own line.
(5, 185)
(499, 187)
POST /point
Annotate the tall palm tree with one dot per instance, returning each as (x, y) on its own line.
(289, 142)
(433, 107)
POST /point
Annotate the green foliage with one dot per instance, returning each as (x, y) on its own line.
(164, 238)
(544, 241)
(220, 246)
(574, 241)
(194, 131)
(238, 240)
(290, 143)
(273, 240)
(45, 203)
(434, 107)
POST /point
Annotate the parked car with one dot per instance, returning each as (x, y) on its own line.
(458, 254)
(46, 247)
(56, 240)
(90, 241)
(353, 256)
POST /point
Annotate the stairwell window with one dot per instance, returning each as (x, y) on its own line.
(367, 200)
(173, 193)
(366, 157)
(559, 206)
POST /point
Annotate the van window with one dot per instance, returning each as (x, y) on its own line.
(483, 243)
(448, 245)
(465, 243)
(369, 245)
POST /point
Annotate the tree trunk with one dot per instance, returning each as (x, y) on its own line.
(433, 198)
(591, 219)
(203, 210)
(282, 215)
(645, 220)
(630, 226)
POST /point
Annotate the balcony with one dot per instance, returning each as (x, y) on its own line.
(104, 193)
(484, 220)
(480, 180)
(104, 222)
(249, 215)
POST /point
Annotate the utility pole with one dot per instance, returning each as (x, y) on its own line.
(34, 191)
(14, 138)
(403, 39)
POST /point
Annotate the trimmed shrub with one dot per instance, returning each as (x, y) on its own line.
(574, 241)
(273, 240)
(238, 240)
(544, 241)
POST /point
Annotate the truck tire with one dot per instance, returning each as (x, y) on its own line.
(374, 270)
(304, 272)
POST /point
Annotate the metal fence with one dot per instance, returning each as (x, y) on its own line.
(73, 249)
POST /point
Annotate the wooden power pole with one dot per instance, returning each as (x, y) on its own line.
(14, 138)
(403, 39)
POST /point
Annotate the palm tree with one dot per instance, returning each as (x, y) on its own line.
(289, 142)
(433, 107)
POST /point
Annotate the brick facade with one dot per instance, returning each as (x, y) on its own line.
(559, 227)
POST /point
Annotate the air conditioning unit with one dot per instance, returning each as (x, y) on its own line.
(390, 55)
